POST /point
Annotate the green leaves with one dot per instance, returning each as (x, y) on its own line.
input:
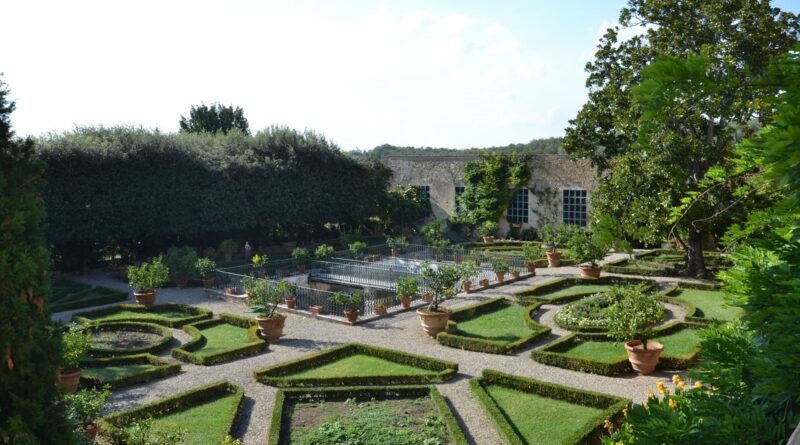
(491, 182)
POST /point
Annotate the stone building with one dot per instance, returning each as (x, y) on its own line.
(559, 191)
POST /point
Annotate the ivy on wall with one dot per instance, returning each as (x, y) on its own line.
(491, 181)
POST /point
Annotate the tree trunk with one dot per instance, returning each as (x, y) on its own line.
(695, 263)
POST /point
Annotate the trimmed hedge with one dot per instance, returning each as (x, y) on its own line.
(178, 402)
(193, 313)
(162, 369)
(612, 406)
(277, 375)
(278, 433)
(651, 266)
(255, 344)
(550, 354)
(533, 294)
(693, 314)
(129, 326)
(65, 288)
(452, 340)
(105, 295)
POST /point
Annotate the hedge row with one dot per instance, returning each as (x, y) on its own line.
(532, 294)
(277, 375)
(130, 326)
(255, 344)
(279, 433)
(611, 406)
(621, 267)
(193, 313)
(178, 402)
(449, 338)
(65, 288)
(550, 354)
(162, 369)
(79, 300)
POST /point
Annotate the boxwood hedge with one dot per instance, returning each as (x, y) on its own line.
(534, 294)
(88, 297)
(129, 326)
(193, 313)
(254, 345)
(162, 368)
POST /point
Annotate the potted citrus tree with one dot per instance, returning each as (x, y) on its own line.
(531, 253)
(323, 252)
(302, 257)
(589, 248)
(554, 236)
(406, 288)
(84, 406)
(228, 247)
(351, 303)
(263, 300)
(75, 344)
(468, 270)
(500, 269)
(288, 290)
(631, 319)
(205, 268)
(181, 263)
(358, 248)
(442, 280)
(488, 230)
(396, 244)
(260, 264)
(146, 278)
(380, 309)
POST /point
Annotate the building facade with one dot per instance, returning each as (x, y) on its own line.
(559, 191)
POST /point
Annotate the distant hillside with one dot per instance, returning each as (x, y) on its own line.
(381, 152)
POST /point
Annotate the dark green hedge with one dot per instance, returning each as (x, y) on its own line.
(279, 433)
(532, 294)
(612, 406)
(142, 190)
(276, 375)
(255, 344)
(193, 313)
(449, 338)
(82, 299)
(178, 402)
(162, 369)
(165, 333)
(65, 288)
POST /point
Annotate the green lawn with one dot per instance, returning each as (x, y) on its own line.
(578, 289)
(360, 365)
(144, 316)
(222, 337)
(204, 424)
(116, 372)
(504, 324)
(541, 420)
(678, 343)
(712, 303)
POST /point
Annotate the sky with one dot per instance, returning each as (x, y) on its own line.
(454, 74)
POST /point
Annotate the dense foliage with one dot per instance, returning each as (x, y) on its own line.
(381, 153)
(213, 119)
(133, 190)
(29, 342)
(491, 181)
(405, 206)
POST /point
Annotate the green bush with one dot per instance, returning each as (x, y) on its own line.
(228, 247)
(500, 267)
(396, 242)
(181, 262)
(148, 276)
(301, 256)
(85, 406)
(349, 301)
(633, 314)
(406, 287)
(488, 228)
(588, 246)
(76, 343)
(324, 252)
(205, 267)
(557, 235)
(357, 248)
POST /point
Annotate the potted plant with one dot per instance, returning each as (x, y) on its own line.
(438, 247)
(288, 291)
(406, 288)
(351, 303)
(554, 236)
(396, 244)
(75, 344)
(263, 300)
(181, 263)
(631, 320)
(315, 309)
(531, 252)
(468, 270)
(442, 280)
(84, 406)
(500, 269)
(483, 282)
(228, 247)
(589, 248)
(205, 268)
(515, 273)
(302, 257)
(260, 264)
(146, 279)
(380, 309)
(488, 230)
(323, 252)
(357, 248)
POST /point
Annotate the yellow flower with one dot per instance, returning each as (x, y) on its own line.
(666, 392)
(625, 411)
(650, 394)
(607, 424)
(619, 442)
(698, 385)
(676, 378)
(646, 406)
(681, 384)
(660, 386)
(673, 404)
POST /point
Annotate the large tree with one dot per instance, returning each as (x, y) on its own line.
(30, 411)
(214, 118)
(650, 162)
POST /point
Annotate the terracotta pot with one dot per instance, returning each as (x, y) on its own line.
(68, 379)
(553, 259)
(301, 268)
(531, 268)
(427, 298)
(433, 322)
(90, 430)
(271, 328)
(395, 252)
(500, 277)
(147, 297)
(352, 315)
(643, 361)
(488, 239)
(467, 286)
(515, 274)
(405, 302)
(484, 282)
(181, 282)
(291, 303)
(230, 290)
(380, 310)
(208, 283)
(590, 272)
(314, 309)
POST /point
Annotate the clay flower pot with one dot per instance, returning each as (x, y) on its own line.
(484, 282)
(146, 297)
(208, 283)
(433, 322)
(90, 430)
(531, 268)
(590, 272)
(315, 309)
(488, 239)
(380, 310)
(553, 259)
(515, 274)
(352, 315)
(642, 360)
(467, 286)
(291, 303)
(68, 379)
(271, 327)
(501, 277)
(230, 290)
(427, 298)
(405, 302)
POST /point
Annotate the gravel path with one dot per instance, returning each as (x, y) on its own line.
(401, 331)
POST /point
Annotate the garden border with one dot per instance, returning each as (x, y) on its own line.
(277, 432)
(276, 375)
(162, 369)
(194, 314)
(165, 333)
(531, 295)
(254, 346)
(110, 296)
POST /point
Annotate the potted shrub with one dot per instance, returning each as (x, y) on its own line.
(589, 248)
(315, 309)
(146, 279)
(380, 309)
(406, 288)
(288, 291)
(75, 344)
(554, 236)
(263, 300)
(531, 252)
(488, 230)
(228, 247)
(260, 264)
(396, 244)
(351, 303)
(442, 281)
(323, 252)
(205, 268)
(84, 406)
(302, 257)
(358, 248)
(181, 263)
(631, 320)
(484, 282)
(515, 273)
(468, 270)
(500, 269)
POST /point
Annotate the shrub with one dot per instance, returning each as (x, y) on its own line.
(632, 317)
(433, 232)
(84, 406)
(349, 301)
(139, 433)
(500, 267)
(396, 242)
(323, 252)
(205, 267)
(228, 247)
(301, 256)
(76, 344)
(556, 235)
(209, 252)
(358, 247)
(260, 261)
(531, 251)
(488, 228)
(263, 298)
(588, 247)
(406, 287)
(442, 281)
(181, 262)
(287, 290)
(148, 276)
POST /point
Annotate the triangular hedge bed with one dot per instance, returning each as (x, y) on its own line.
(126, 370)
(202, 350)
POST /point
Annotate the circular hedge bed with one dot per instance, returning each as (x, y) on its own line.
(127, 338)
(590, 314)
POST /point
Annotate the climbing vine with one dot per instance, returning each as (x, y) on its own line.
(491, 181)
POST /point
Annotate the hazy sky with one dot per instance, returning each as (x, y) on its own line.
(424, 73)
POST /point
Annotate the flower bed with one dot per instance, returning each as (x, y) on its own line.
(588, 314)
(126, 370)
(173, 315)
(229, 337)
(127, 338)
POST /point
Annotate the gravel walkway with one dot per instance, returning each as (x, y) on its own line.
(401, 331)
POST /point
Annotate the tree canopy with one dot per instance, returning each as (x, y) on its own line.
(214, 119)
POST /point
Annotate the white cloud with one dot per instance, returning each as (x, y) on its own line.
(507, 47)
